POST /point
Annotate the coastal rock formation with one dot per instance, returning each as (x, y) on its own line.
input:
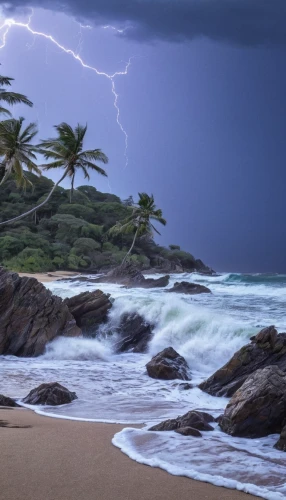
(5, 401)
(30, 316)
(193, 419)
(281, 444)
(168, 365)
(266, 348)
(52, 394)
(131, 277)
(188, 431)
(258, 407)
(89, 309)
(135, 334)
(188, 288)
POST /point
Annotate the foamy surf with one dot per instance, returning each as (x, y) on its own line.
(207, 330)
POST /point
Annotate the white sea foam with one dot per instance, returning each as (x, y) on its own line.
(242, 464)
(206, 329)
(81, 349)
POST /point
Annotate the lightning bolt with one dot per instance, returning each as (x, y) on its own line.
(10, 23)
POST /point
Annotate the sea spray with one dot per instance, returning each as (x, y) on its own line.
(207, 329)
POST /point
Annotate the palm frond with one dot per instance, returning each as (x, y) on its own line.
(14, 98)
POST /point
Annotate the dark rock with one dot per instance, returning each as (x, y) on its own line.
(188, 431)
(258, 407)
(281, 444)
(266, 349)
(168, 365)
(30, 316)
(195, 419)
(52, 394)
(5, 401)
(188, 288)
(89, 309)
(135, 334)
(131, 277)
(185, 387)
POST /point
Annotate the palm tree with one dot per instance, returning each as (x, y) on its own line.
(66, 151)
(11, 98)
(16, 150)
(139, 221)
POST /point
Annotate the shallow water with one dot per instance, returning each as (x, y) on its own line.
(207, 330)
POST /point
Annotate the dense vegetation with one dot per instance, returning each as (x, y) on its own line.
(44, 227)
(74, 236)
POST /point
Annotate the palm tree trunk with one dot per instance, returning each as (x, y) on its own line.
(10, 221)
(72, 188)
(132, 246)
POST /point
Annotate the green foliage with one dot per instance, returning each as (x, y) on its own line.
(30, 260)
(94, 195)
(174, 247)
(76, 262)
(92, 231)
(63, 235)
(79, 211)
(9, 246)
(85, 246)
(109, 247)
(107, 214)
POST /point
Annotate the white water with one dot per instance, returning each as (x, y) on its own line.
(207, 330)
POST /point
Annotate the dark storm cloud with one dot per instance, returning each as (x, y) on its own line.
(243, 22)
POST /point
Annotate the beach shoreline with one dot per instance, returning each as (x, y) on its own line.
(49, 276)
(57, 459)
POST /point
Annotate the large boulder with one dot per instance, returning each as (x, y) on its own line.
(131, 277)
(188, 288)
(193, 419)
(258, 407)
(52, 394)
(281, 443)
(8, 402)
(168, 365)
(30, 316)
(266, 348)
(135, 334)
(89, 309)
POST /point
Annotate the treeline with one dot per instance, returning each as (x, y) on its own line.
(76, 236)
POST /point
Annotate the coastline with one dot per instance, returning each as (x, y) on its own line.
(56, 459)
(50, 276)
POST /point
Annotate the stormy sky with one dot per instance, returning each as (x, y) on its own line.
(203, 105)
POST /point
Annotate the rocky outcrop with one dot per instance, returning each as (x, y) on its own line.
(258, 407)
(281, 444)
(188, 431)
(89, 309)
(267, 348)
(8, 402)
(168, 365)
(188, 288)
(30, 316)
(52, 394)
(135, 334)
(131, 277)
(197, 420)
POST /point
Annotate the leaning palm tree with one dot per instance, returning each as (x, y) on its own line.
(139, 222)
(17, 151)
(10, 98)
(66, 151)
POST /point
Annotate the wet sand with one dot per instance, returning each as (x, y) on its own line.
(51, 276)
(45, 458)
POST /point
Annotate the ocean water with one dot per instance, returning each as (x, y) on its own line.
(206, 329)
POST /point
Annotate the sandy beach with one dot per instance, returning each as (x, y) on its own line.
(51, 276)
(44, 458)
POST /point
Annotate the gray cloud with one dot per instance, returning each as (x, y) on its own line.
(242, 22)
